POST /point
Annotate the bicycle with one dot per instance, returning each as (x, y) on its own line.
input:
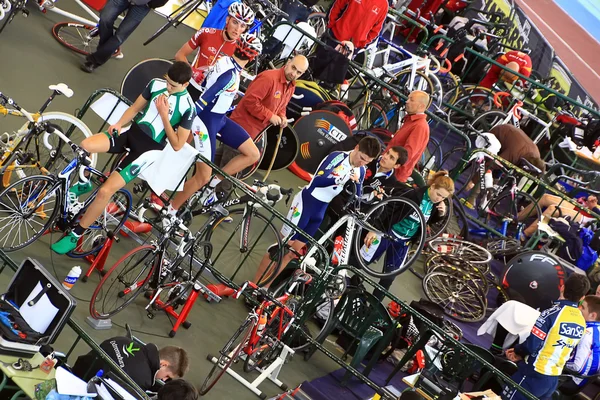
(179, 15)
(9, 9)
(154, 266)
(22, 150)
(38, 204)
(258, 339)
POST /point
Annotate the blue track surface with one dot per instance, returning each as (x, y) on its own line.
(585, 12)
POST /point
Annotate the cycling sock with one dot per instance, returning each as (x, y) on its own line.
(78, 230)
(214, 182)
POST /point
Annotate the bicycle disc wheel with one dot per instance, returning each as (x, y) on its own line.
(391, 213)
(459, 300)
(239, 243)
(319, 314)
(108, 223)
(28, 208)
(228, 355)
(123, 282)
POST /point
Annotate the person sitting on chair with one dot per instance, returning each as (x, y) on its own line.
(144, 363)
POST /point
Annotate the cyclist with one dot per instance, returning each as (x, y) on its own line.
(165, 106)
(556, 332)
(430, 200)
(586, 357)
(217, 17)
(219, 90)
(513, 60)
(309, 205)
(212, 43)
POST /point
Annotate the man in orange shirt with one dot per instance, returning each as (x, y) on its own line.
(265, 101)
(413, 135)
(513, 60)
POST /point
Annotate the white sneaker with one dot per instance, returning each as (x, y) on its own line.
(211, 197)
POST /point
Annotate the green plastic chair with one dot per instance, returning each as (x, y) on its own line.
(362, 316)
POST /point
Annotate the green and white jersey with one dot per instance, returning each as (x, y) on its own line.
(181, 110)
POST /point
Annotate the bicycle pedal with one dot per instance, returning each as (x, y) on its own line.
(150, 315)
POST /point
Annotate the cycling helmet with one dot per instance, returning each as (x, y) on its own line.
(250, 45)
(242, 13)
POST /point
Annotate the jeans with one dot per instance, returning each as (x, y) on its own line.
(109, 39)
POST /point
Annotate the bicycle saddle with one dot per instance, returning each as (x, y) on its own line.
(529, 167)
(62, 89)
(302, 277)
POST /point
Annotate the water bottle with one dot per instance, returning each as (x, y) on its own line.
(489, 179)
(72, 277)
(262, 323)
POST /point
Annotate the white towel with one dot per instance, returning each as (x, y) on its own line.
(517, 318)
(168, 167)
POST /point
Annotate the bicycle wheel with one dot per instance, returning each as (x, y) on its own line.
(462, 249)
(436, 228)
(371, 116)
(469, 106)
(267, 348)
(384, 216)
(28, 209)
(507, 215)
(486, 121)
(319, 316)
(228, 354)
(421, 82)
(239, 243)
(123, 282)
(108, 223)
(459, 300)
(174, 20)
(80, 38)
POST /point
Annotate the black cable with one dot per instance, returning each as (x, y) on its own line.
(142, 332)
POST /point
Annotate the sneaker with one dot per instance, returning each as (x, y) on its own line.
(66, 244)
(81, 188)
(210, 198)
(88, 67)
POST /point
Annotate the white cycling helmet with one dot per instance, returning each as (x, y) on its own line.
(242, 13)
(250, 45)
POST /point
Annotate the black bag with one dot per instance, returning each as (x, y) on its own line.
(329, 65)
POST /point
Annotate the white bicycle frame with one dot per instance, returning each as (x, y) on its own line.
(50, 5)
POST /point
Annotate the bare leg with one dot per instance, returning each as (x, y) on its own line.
(191, 186)
(98, 143)
(545, 201)
(249, 155)
(553, 211)
(106, 191)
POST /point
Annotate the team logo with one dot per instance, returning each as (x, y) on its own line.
(375, 10)
(135, 169)
(277, 94)
(129, 350)
(328, 130)
(304, 151)
(212, 50)
(570, 330)
(533, 285)
(538, 333)
(295, 212)
(201, 135)
(375, 241)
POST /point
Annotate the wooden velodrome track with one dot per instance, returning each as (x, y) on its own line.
(577, 49)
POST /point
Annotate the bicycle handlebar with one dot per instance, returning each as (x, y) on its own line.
(14, 104)
(273, 8)
(83, 155)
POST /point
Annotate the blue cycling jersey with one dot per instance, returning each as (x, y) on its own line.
(220, 86)
(333, 172)
(586, 357)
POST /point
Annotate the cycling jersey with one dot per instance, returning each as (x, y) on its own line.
(586, 357)
(181, 111)
(407, 227)
(519, 57)
(309, 205)
(553, 337)
(220, 86)
(211, 44)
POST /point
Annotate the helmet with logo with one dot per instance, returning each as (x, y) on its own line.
(249, 45)
(241, 12)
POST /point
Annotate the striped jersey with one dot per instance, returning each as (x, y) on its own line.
(220, 86)
(181, 110)
(332, 174)
(586, 357)
(555, 334)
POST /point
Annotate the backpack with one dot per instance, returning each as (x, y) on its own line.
(589, 255)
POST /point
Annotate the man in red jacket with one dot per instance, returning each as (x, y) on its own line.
(357, 22)
(413, 135)
(513, 60)
(265, 102)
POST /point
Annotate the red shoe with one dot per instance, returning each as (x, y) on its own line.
(156, 202)
(221, 290)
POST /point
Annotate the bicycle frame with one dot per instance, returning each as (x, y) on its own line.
(49, 5)
(279, 312)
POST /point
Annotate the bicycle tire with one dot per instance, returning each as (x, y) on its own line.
(364, 116)
(232, 347)
(318, 20)
(62, 30)
(489, 119)
(414, 252)
(497, 207)
(218, 250)
(147, 252)
(444, 281)
(265, 349)
(470, 111)
(117, 209)
(296, 299)
(469, 251)
(45, 183)
(138, 76)
(429, 89)
(436, 229)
